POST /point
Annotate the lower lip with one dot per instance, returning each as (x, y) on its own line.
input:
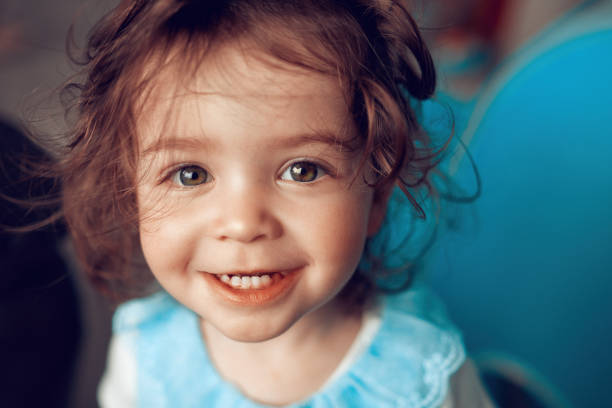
(254, 297)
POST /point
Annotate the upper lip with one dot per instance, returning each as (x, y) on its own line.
(253, 271)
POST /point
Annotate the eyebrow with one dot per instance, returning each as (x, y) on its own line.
(298, 140)
(339, 141)
(177, 143)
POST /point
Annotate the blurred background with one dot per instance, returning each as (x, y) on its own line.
(525, 268)
(54, 328)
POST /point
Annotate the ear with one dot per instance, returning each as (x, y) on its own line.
(379, 208)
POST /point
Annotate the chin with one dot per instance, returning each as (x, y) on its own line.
(253, 330)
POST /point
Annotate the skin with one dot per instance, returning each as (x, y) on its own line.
(525, 18)
(521, 21)
(245, 123)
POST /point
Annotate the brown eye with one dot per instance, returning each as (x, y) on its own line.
(191, 176)
(303, 172)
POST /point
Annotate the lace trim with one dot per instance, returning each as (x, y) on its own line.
(402, 358)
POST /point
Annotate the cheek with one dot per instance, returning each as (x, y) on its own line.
(150, 229)
(162, 236)
(153, 246)
(339, 232)
(164, 245)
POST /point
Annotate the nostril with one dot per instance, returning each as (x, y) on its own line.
(238, 218)
(247, 232)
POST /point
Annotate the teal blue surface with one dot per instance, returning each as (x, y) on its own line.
(527, 268)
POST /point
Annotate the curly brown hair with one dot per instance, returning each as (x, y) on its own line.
(373, 47)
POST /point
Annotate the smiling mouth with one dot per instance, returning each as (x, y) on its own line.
(253, 288)
(251, 281)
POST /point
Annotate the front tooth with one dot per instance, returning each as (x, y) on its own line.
(236, 282)
(246, 282)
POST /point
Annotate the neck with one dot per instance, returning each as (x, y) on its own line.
(289, 367)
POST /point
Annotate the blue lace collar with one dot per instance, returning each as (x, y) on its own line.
(408, 363)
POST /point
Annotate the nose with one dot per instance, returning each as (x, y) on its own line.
(245, 215)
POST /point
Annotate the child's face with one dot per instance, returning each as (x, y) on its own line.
(239, 181)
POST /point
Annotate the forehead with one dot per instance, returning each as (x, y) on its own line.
(240, 85)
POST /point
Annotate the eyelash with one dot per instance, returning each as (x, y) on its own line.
(175, 173)
(320, 171)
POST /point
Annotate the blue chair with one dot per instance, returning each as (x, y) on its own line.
(526, 270)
